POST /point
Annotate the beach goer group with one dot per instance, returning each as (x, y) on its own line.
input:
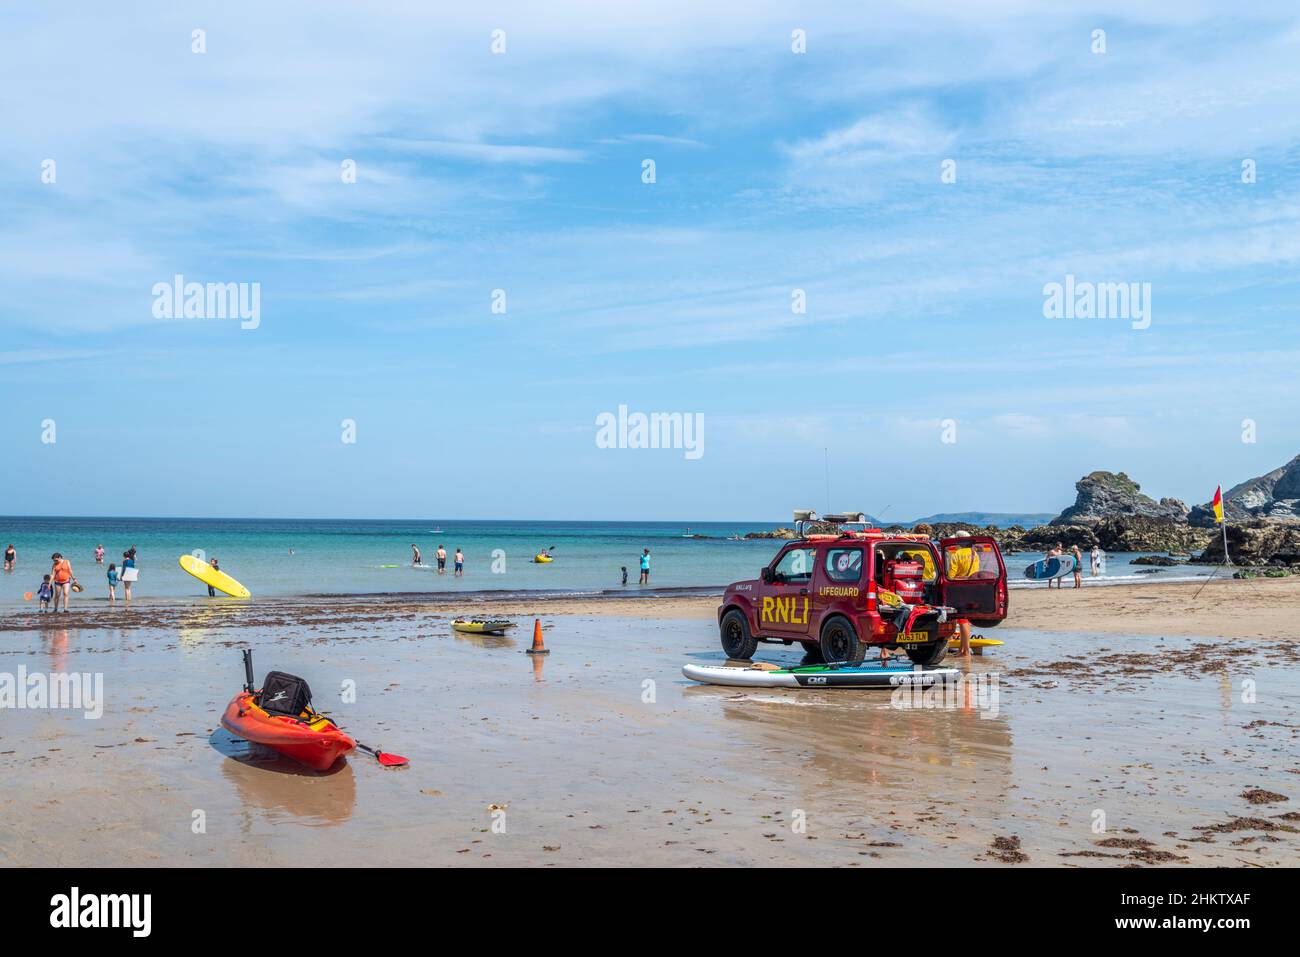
(458, 560)
(1058, 551)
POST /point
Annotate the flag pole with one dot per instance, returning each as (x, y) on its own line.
(1220, 516)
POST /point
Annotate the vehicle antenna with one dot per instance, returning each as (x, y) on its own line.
(827, 453)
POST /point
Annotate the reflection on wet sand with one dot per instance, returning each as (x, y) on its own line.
(287, 791)
(198, 624)
(489, 642)
(855, 739)
(55, 643)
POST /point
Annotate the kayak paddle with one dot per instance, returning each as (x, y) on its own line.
(383, 757)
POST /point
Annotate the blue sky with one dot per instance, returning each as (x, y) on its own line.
(522, 172)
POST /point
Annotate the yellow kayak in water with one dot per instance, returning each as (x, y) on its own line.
(482, 626)
(542, 559)
(214, 577)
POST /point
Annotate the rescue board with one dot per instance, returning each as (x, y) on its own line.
(211, 576)
(1051, 567)
(820, 676)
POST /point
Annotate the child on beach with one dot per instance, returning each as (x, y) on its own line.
(624, 574)
(46, 592)
(460, 564)
(112, 583)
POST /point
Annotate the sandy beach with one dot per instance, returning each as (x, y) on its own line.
(1172, 722)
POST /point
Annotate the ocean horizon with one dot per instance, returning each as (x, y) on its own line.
(300, 557)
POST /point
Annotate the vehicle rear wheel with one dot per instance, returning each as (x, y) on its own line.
(929, 656)
(839, 643)
(737, 642)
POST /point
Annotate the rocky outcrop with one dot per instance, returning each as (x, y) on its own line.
(1274, 496)
(1135, 533)
(812, 528)
(1255, 542)
(1163, 561)
(1104, 495)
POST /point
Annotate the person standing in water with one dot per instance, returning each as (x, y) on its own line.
(112, 583)
(129, 573)
(11, 558)
(624, 574)
(61, 576)
(460, 564)
(645, 567)
(1078, 566)
(99, 554)
(415, 554)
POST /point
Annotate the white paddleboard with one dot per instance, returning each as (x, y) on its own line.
(820, 676)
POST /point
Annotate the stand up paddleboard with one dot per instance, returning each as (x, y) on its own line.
(820, 676)
(1051, 567)
(210, 576)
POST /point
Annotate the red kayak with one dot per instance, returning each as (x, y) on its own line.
(312, 740)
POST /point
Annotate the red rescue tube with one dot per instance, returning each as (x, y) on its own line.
(317, 745)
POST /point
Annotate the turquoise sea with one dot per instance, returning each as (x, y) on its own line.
(287, 557)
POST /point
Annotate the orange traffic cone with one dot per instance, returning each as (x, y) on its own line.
(539, 647)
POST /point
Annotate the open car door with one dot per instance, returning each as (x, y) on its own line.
(974, 578)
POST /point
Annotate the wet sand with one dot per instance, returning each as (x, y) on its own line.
(1171, 719)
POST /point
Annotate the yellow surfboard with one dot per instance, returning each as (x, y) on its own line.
(210, 576)
(955, 643)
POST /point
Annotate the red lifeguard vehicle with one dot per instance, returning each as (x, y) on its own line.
(840, 593)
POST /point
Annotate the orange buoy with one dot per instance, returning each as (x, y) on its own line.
(538, 648)
(27, 596)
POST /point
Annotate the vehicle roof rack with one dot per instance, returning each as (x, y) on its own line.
(805, 516)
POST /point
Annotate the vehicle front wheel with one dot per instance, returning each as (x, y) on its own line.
(929, 656)
(839, 643)
(737, 642)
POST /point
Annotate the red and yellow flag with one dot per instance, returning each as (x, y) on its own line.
(1217, 504)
